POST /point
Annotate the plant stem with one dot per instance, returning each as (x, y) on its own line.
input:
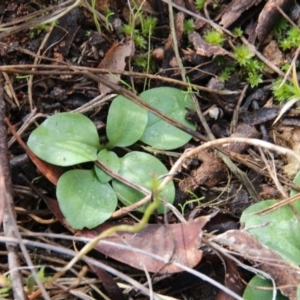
(128, 228)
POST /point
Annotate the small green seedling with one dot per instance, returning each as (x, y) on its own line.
(86, 197)
(238, 32)
(147, 27)
(188, 26)
(108, 24)
(30, 282)
(141, 38)
(196, 200)
(145, 63)
(287, 35)
(242, 54)
(95, 18)
(36, 30)
(226, 73)
(200, 4)
(281, 28)
(214, 37)
(292, 39)
(250, 67)
(288, 90)
(285, 90)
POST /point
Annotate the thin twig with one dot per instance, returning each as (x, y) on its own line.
(264, 59)
(7, 216)
(77, 70)
(235, 116)
(9, 222)
(57, 14)
(197, 16)
(272, 172)
(124, 277)
(175, 42)
(121, 178)
(190, 153)
(231, 166)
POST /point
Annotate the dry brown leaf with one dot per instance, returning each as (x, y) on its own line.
(234, 10)
(174, 242)
(233, 280)
(51, 172)
(285, 276)
(205, 49)
(288, 137)
(243, 130)
(178, 23)
(212, 169)
(114, 61)
(269, 15)
(273, 54)
(102, 5)
(55, 209)
(110, 285)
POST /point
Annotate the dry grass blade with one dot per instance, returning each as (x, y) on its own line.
(9, 218)
(278, 205)
(66, 69)
(296, 87)
(28, 22)
(115, 272)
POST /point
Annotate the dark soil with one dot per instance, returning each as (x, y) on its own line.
(49, 70)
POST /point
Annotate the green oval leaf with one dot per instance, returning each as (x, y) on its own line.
(83, 200)
(276, 229)
(126, 122)
(255, 290)
(65, 139)
(111, 160)
(139, 167)
(171, 101)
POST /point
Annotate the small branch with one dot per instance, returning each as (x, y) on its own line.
(175, 42)
(6, 204)
(264, 59)
(77, 70)
(121, 178)
(197, 16)
(139, 101)
(9, 221)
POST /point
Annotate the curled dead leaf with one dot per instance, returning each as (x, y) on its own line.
(284, 274)
(114, 61)
(173, 242)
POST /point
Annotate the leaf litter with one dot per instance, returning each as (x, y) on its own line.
(180, 243)
(174, 242)
(114, 61)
